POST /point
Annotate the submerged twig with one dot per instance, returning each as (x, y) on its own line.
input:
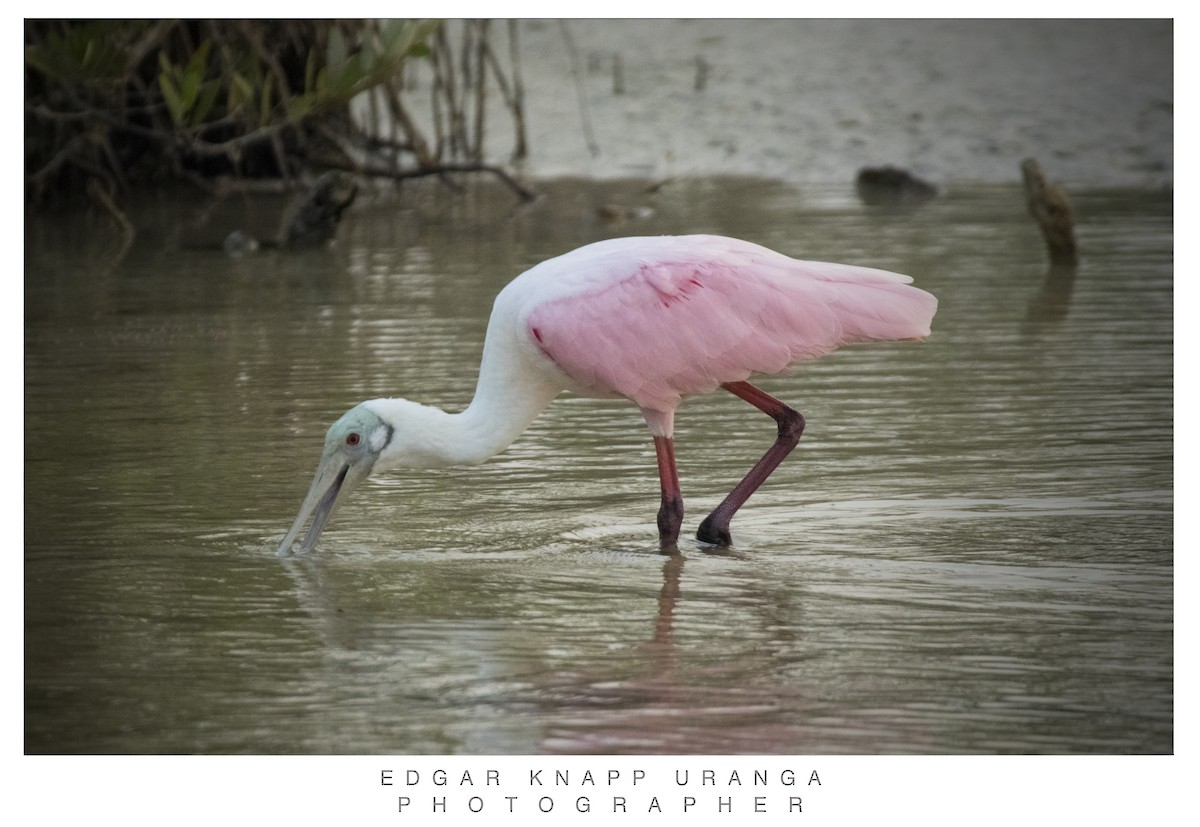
(128, 232)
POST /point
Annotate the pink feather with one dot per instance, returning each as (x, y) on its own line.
(656, 319)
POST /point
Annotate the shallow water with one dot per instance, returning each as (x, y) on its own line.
(970, 551)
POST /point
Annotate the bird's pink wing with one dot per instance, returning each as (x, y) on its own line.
(668, 329)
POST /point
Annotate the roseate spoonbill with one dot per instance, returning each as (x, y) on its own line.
(651, 319)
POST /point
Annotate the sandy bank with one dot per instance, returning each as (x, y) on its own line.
(812, 101)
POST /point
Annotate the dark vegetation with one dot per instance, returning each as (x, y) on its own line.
(114, 105)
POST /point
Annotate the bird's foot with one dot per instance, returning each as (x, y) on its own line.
(670, 518)
(713, 533)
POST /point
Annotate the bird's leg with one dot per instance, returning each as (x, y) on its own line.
(715, 528)
(670, 514)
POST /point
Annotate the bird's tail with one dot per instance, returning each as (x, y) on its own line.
(877, 305)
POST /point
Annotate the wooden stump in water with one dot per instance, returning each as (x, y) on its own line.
(1051, 208)
(310, 222)
(314, 220)
(890, 186)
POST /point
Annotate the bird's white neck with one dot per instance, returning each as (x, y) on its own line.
(427, 437)
(515, 385)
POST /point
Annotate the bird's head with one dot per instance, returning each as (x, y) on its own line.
(353, 444)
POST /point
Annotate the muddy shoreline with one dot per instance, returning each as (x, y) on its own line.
(812, 101)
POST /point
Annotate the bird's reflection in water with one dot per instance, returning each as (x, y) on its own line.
(317, 597)
(667, 598)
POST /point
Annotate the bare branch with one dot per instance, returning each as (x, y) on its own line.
(374, 171)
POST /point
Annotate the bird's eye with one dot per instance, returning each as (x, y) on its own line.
(353, 439)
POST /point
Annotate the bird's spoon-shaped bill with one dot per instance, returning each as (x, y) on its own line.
(336, 478)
